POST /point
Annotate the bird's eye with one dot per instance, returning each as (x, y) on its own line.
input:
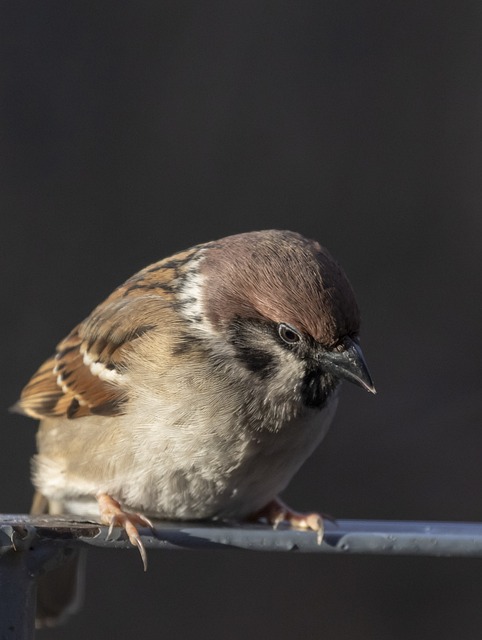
(288, 334)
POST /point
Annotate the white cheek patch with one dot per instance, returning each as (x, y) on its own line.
(191, 298)
(290, 371)
(190, 294)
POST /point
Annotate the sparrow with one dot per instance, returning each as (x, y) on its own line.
(198, 388)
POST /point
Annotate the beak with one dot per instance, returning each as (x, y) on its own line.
(349, 364)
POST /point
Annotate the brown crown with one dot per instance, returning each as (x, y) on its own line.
(283, 277)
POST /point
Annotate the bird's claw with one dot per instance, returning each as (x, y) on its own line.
(276, 512)
(112, 514)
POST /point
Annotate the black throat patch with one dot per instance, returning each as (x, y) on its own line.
(316, 388)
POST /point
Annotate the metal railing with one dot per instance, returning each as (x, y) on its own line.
(32, 545)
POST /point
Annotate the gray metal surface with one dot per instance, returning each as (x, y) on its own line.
(41, 534)
(31, 545)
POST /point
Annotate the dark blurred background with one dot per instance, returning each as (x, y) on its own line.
(130, 130)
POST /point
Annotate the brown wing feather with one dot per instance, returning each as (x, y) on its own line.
(80, 379)
(85, 376)
(65, 386)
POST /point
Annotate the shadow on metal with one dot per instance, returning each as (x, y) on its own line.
(30, 546)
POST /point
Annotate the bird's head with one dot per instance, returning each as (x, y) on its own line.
(288, 311)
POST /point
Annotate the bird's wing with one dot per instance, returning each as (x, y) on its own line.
(87, 374)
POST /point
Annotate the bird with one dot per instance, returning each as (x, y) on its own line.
(198, 388)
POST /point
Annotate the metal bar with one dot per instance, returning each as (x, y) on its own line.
(344, 536)
(24, 554)
(17, 598)
(30, 545)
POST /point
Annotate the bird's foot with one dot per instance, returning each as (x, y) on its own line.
(111, 513)
(276, 512)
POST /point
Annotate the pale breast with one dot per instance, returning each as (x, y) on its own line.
(175, 459)
(271, 462)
